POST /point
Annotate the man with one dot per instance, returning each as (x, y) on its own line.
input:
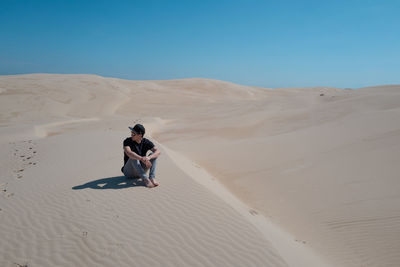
(136, 160)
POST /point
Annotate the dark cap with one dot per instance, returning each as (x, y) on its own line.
(138, 129)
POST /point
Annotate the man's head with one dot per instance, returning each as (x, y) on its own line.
(137, 133)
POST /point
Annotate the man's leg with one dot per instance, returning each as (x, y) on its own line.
(152, 174)
(153, 167)
(134, 169)
(128, 170)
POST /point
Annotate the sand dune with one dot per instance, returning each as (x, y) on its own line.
(250, 176)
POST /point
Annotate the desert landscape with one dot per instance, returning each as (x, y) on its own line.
(249, 176)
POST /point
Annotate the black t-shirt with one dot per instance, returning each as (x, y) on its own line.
(140, 149)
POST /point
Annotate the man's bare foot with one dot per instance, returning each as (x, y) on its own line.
(154, 182)
(148, 183)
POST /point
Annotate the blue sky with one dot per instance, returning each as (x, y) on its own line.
(346, 44)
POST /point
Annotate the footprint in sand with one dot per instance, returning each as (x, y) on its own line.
(24, 150)
(253, 212)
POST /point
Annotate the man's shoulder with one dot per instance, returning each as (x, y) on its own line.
(127, 141)
(147, 142)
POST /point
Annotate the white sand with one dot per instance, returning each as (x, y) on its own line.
(311, 173)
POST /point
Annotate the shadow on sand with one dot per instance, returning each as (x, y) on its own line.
(116, 182)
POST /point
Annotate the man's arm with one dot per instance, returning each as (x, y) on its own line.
(132, 155)
(156, 153)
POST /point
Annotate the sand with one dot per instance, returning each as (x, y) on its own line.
(249, 176)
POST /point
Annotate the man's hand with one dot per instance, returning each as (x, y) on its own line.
(146, 161)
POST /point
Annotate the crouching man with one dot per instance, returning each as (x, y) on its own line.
(136, 160)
